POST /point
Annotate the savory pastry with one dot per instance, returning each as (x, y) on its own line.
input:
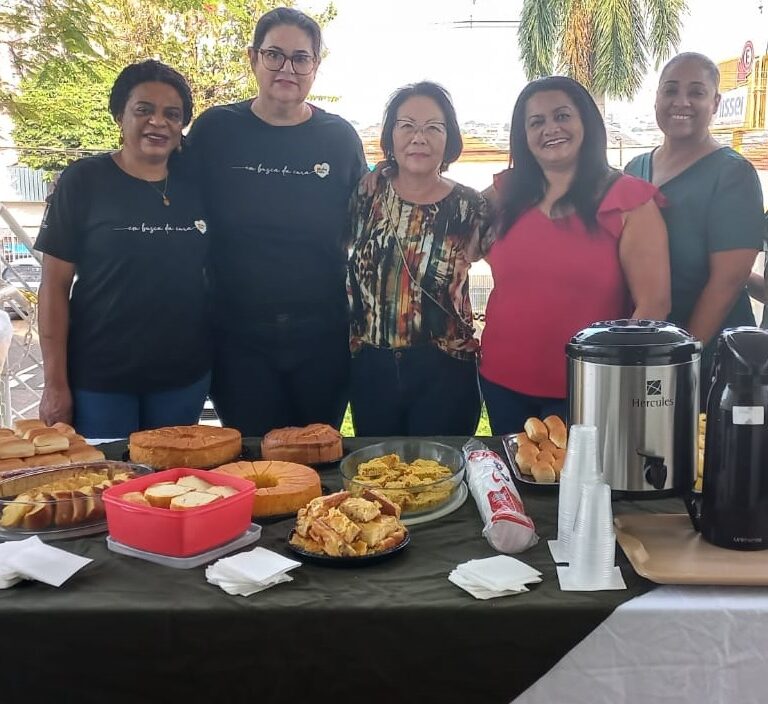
(414, 486)
(340, 525)
(314, 444)
(197, 446)
(281, 487)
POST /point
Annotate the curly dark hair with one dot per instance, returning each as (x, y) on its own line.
(147, 72)
(453, 142)
(525, 185)
(288, 15)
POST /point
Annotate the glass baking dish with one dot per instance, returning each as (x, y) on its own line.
(63, 501)
(419, 498)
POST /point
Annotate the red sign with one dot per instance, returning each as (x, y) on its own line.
(745, 62)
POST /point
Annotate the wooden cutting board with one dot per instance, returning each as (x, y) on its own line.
(666, 549)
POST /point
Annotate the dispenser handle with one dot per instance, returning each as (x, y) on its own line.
(694, 510)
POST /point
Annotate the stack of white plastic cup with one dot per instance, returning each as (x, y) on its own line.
(582, 467)
(593, 544)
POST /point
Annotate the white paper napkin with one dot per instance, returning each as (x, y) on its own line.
(33, 559)
(501, 575)
(250, 572)
(478, 591)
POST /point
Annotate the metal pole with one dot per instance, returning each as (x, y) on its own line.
(19, 231)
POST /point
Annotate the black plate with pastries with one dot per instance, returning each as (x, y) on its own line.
(362, 561)
(510, 448)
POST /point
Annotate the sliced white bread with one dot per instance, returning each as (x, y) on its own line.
(194, 483)
(193, 499)
(160, 495)
(223, 491)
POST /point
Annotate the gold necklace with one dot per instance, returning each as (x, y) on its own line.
(166, 200)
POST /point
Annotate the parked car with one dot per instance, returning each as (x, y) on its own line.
(24, 274)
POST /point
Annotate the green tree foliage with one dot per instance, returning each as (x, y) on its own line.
(604, 44)
(57, 122)
(66, 77)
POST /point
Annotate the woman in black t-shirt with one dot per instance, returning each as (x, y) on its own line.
(128, 348)
(277, 174)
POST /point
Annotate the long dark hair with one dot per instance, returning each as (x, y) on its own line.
(525, 185)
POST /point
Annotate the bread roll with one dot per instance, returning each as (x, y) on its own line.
(548, 445)
(526, 456)
(557, 431)
(34, 432)
(536, 430)
(15, 448)
(522, 439)
(64, 429)
(543, 473)
(21, 426)
(546, 456)
(50, 460)
(193, 499)
(11, 465)
(6, 433)
(160, 495)
(85, 453)
(50, 442)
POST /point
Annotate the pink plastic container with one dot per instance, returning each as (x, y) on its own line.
(178, 533)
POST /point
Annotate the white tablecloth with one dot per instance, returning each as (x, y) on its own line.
(673, 645)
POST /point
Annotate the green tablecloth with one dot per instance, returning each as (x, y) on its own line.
(125, 630)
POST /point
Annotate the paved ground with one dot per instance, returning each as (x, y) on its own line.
(25, 362)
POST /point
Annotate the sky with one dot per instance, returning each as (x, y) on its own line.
(376, 46)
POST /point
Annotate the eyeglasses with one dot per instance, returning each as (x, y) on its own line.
(303, 64)
(430, 130)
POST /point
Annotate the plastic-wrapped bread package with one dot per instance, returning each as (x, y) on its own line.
(505, 524)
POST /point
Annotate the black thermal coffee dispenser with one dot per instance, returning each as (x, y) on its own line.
(734, 499)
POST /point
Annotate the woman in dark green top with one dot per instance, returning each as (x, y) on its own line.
(715, 206)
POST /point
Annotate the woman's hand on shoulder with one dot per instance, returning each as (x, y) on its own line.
(56, 404)
(368, 183)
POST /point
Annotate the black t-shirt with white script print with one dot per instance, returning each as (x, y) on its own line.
(277, 198)
(139, 318)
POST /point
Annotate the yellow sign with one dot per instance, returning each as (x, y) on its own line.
(743, 102)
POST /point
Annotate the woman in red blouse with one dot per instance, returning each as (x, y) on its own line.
(577, 242)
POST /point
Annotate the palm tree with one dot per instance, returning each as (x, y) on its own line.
(604, 44)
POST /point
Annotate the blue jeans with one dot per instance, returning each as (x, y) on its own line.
(100, 414)
(414, 391)
(508, 410)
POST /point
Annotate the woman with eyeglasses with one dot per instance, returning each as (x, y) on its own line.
(277, 174)
(414, 369)
(576, 242)
(126, 347)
